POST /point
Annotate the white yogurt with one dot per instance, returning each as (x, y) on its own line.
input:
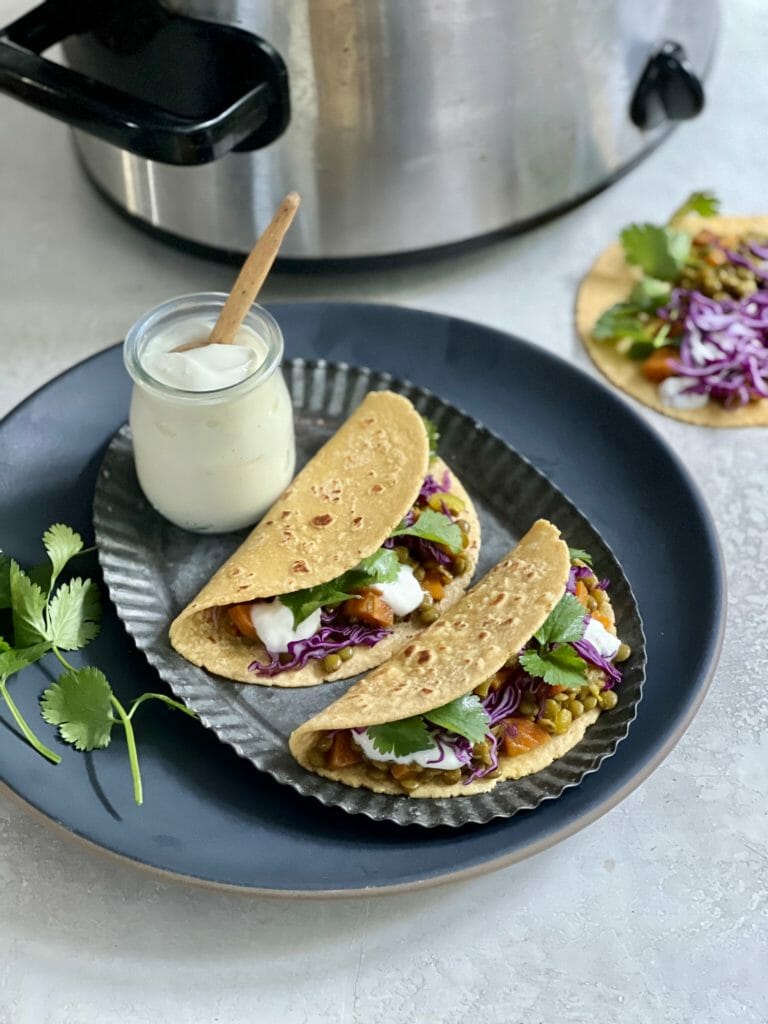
(212, 427)
(605, 643)
(273, 623)
(404, 594)
(671, 393)
(425, 758)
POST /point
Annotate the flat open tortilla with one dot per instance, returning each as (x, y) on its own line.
(338, 510)
(450, 658)
(610, 280)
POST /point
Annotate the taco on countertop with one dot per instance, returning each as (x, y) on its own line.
(372, 541)
(677, 315)
(503, 684)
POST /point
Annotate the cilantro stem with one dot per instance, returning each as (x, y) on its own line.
(133, 756)
(27, 732)
(63, 660)
(166, 700)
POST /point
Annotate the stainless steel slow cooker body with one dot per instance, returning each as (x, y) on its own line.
(414, 124)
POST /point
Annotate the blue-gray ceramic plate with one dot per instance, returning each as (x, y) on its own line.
(211, 816)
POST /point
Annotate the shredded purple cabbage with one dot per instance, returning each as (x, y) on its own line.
(334, 635)
(591, 654)
(724, 345)
(761, 251)
(431, 486)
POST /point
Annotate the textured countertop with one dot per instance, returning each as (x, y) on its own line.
(658, 912)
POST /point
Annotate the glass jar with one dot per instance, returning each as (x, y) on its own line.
(213, 444)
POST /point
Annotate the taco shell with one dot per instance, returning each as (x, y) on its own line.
(610, 280)
(339, 509)
(449, 659)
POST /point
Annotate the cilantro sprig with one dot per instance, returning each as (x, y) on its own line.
(52, 617)
(464, 716)
(551, 658)
(380, 567)
(433, 526)
(661, 251)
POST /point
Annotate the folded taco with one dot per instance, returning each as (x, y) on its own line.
(503, 684)
(371, 542)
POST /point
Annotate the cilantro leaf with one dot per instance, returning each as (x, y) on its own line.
(401, 738)
(561, 666)
(583, 556)
(303, 602)
(622, 320)
(433, 436)
(465, 716)
(73, 614)
(380, 567)
(13, 659)
(706, 204)
(80, 704)
(61, 543)
(5, 581)
(660, 252)
(650, 294)
(28, 602)
(436, 527)
(564, 623)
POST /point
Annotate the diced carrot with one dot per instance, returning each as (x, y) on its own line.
(581, 592)
(602, 619)
(369, 607)
(344, 751)
(657, 366)
(434, 586)
(240, 617)
(524, 737)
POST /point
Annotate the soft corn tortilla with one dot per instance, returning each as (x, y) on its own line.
(610, 280)
(339, 509)
(450, 658)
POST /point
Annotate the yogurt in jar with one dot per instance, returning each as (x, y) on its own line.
(212, 427)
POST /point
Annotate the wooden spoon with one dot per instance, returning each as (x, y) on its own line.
(250, 279)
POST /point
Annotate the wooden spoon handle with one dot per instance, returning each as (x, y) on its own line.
(254, 273)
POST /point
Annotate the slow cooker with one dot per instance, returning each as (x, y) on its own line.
(404, 124)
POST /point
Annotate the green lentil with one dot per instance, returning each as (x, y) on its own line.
(331, 662)
(409, 783)
(527, 708)
(346, 653)
(608, 700)
(623, 652)
(575, 707)
(429, 615)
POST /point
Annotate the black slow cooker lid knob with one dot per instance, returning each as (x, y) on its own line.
(669, 89)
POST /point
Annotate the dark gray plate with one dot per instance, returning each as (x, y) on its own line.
(153, 569)
(209, 815)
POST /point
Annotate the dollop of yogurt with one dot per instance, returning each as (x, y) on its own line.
(273, 623)
(404, 594)
(671, 393)
(426, 758)
(605, 643)
(207, 368)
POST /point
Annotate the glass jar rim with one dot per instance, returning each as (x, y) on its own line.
(199, 304)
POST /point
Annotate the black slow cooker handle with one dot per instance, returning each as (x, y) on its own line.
(260, 113)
